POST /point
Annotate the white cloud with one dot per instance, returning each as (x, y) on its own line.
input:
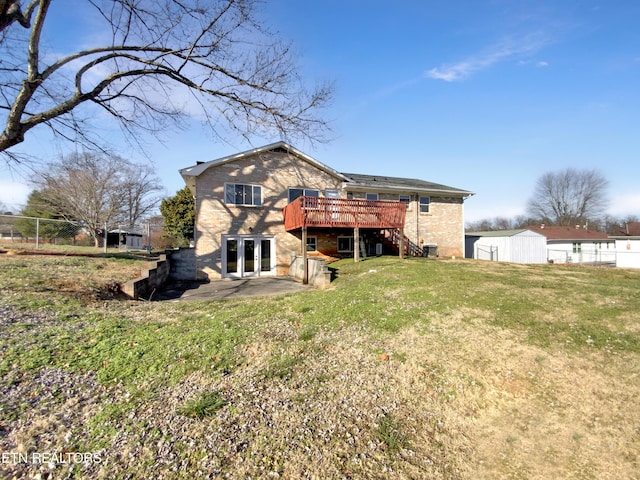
(625, 204)
(507, 49)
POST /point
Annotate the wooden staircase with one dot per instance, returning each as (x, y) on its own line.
(392, 238)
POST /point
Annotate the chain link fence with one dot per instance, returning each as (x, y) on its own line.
(17, 231)
(599, 257)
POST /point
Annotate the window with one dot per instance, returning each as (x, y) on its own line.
(312, 244)
(331, 193)
(371, 196)
(424, 204)
(299, 192)
(406, 199)
(577, 247)
(240, 194)
(345, 244)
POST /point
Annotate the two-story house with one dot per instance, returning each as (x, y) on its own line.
(255, 208)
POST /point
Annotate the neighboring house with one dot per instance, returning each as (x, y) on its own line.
(257, 208)
(9, 232)
(627, 243)
(577, 245)
(518, 246)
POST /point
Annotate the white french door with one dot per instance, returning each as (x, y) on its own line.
(248, 255)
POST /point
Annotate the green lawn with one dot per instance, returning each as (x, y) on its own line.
(415, 368)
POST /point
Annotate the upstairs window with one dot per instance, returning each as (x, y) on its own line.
(241, 194)
(331, 193)
(406, 199)
(299, 192)
(425, 202)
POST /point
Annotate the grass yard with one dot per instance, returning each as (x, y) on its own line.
(421, 368)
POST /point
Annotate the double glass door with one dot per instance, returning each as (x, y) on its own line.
(248, 256)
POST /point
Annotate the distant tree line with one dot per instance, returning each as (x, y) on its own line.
(565, 198)
(607, 224)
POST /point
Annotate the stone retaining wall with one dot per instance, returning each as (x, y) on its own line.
(154, 277)
(176, 265)
(319, 274)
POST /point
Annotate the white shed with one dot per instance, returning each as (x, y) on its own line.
(627, 252)
(129, 239)
(517, 246)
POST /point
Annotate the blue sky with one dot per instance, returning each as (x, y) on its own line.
(481, 95)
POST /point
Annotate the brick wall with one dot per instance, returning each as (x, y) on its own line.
(275, 172)
(442, 225)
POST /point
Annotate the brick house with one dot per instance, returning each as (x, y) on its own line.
(255, 208)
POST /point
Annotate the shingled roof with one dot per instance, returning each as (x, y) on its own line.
(631, 229)
(567, 233)
(397, 184)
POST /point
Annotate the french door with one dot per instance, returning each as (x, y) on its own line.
(248, 255)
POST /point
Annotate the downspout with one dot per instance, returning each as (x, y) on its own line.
(195, 235)
(416, 216)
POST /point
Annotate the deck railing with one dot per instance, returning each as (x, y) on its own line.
(343, 213)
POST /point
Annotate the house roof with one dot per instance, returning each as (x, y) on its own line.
(499, 233)
(630, 229)
(567, 233)
(190, 173)
(354, 181)
(360, 182)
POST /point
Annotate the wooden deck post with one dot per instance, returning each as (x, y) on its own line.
(356, 244)
(305, 271)
(401, 242)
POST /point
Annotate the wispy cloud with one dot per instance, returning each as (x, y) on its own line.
(505, 50)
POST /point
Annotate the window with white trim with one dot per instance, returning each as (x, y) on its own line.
(371, 196)
(425, 203)
(331, 193)
(299, 192)
(406, 199)
(242, 194)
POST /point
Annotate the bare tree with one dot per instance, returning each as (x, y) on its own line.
(97, 190)
(10, 11)
(216, 52)
(569, 197)
(141, 193)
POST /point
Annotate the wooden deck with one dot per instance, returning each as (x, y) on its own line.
(343, 213)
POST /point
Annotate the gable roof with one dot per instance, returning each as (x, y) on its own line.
(567, 233)
(190, 173)
(360, 182)
(353, 181)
